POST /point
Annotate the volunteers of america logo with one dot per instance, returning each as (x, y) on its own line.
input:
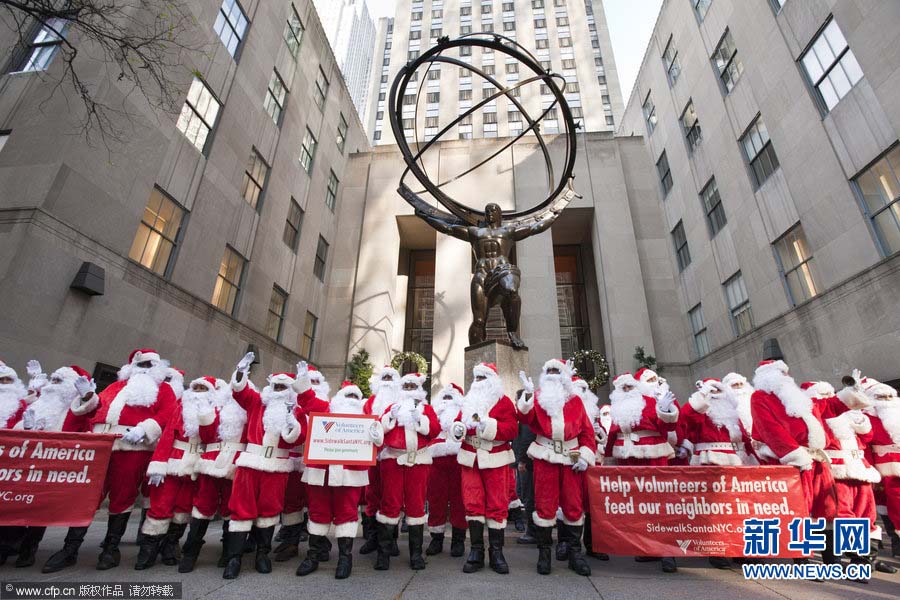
(683, 544)
(327, 425)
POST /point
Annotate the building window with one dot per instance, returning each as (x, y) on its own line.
(228, 281)
(609, 120)
(542, 44)
(682, 253)
(309, 335)
(831, 66)
(416, 16)
(728, 65)
(275, 316)
(321, 89)
(701, 7)
(321, 258)
(342, 133)
(487, 27)
(665, 174)
(4, 137)
(691, 125)
(739, 304)
(537, 3)
(795, 262)
(509, 25)
(509, 6)
(415, 35)
(255, 177)
(377, 136)
(562, 21)
(568, 64)
(880, 189)
(45, 45)
(571, 300)
(293, 32)
(292, 226)
(231, 24)
(465, 29)
(759, 151)
(514, 116)
(198, 115)
(158, 234)
(670, 60)
(465, 94)
(486, 9)
(488, 69)
(650, 114)
(540, 23)
(565, 42)
(435, 33)
(331, 190)
(712, 206)
(437, 14)
(420, 303)
(465, 51)
(432, 97)
(465, 11)
(275, 95)
(698, 329)
(490, 117)
(308, 151)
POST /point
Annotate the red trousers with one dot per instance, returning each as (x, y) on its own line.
(294, 499)
(445, 495)
(373, 491)
(211, 497)
(819, 492)
(557, 486)
(892, 497)
(257, 497)
(855, 499)
(124, 476)
(170, 500)
(485, 495)
(333, 505)
(514, 501)
(403, 488)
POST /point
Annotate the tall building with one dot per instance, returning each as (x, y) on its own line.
(569, 37)
(351, 32)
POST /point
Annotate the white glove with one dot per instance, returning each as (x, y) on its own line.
(84, 386)
(570, 365)
(395, 410)
(156, 479)
(33, 368)
(375, 432)
(134, 435)
(302, 367)
(665, 403)
(458, 430)
(857, 376)
(481, 426)
(28, 419)
(527, 383)
(292, 422)
(580, 465)
(597, 428)
(682, 452)
(244, 365)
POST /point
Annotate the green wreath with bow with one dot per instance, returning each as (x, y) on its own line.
(414, 357)
(601, 367)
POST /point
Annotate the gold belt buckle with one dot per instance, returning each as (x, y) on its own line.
(411, 457)
(269, 451)
(558, 446)
(476, 442)
(634, 437)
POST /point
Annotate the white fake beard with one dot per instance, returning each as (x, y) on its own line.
(796, 402)
(346, 404)
(386, 394)
(741, 400)
(591, 403)
(650, 389)
(10, 396)
(157, 371)
(626, 408)
(447, 410)
(724, 414)
(190, 401)
(605, 420)
(142, 388)
(232, 419)
(553, 394)
(323, 391)
(54, 402)
(408, 416)
(480, 399)
(276, 412)
(889, 413)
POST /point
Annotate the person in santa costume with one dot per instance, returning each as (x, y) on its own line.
(444, 487)
(486, 424)
(275, 425)
(221, 441)
(13, 394)
(410, 424)
(172, 473)
(137, 407)
(594, 412)
(51, 398)
(385, 385)
(295, 497)
(639, 431)
(738, 391)
(175, 379)
(333, 491)
(563, 449)
(884, 450)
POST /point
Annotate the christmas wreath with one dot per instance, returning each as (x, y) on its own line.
(414, 357)
(601, 367)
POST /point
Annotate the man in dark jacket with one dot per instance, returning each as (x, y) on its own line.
(525, 480)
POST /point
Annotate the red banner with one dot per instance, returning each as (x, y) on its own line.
(49, 478)
(689, 511)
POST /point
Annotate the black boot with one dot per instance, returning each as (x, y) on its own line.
(562, 541)
(11, 537)
(395, 549)
(890, 529)
(115, 529)
(311, 562)
(719, 562)
(544, 542)
(668, 565)
(385, 538)
(233, 549)
(29, 546)
(140, 531)
(457, 542)
(517, 516)
(868, 559)
(304, 532)
(250, 544)
(883, 567)
(436, 545)
(169, 550)
(192, 545)
(263, 537)
(495, 551)
(828, 557)
(223, 556)
(577, 561)
(475, 560)
(290, 543)
(416, 537)
(345, 558)
(148, 549)
(68, 556)
(370, 544)
(324, 549)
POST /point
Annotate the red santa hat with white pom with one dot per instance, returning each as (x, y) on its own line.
(817, 389)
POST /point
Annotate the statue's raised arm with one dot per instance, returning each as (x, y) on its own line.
(441, 221)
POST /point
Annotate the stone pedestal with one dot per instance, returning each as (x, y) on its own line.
(509, 362)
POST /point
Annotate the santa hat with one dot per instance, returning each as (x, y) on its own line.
(71, 373)
(559, 364)
(416, 378)
(624, 379)
(285, 378)
(817, 389)
(874, 388)
(347, 388)
(485, 369)
(142, 354)
(705, 385)
(771, 366)
(314, 373)
(644, 374)
(210, 383)
(7, 371)
(451, 389)
(732, 378)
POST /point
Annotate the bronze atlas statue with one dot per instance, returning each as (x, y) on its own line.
(491, 231)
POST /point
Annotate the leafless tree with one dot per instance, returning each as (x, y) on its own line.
(142, 44)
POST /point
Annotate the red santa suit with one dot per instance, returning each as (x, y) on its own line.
(884, 447)
(639, 428)
(385, 385)
(444, 487)
(12, 398)
(711, 426)
(789, 430)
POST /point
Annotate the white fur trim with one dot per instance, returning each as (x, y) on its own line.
(377, 433)
(79, 408)
(388, 422)
(588, 455)
(444, 447)
(264, 522)
(490, 430)
(486, 460)
(662, 450)
(542, 522)
(260, 463)
(891, 469)
(436, 529)
(719, 459)
(516, 504)
(292, 518)
(292, 434)
(576, 523)
(798, 457)
(301, 385)
(320, 529)
(157, 467)
(152, 430)
(475, 518)
(235, 525)
(424, 425)
(546, 454)
(668, 417)
(854, 399)
(155, 526)
(181, 518)
(492, 524)
(525, 403)
(417, 520)
(239, 386)
(213, 468)
(387, 520)
(699, 402)
(815, 433)
(199, 515)
(346, 530)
